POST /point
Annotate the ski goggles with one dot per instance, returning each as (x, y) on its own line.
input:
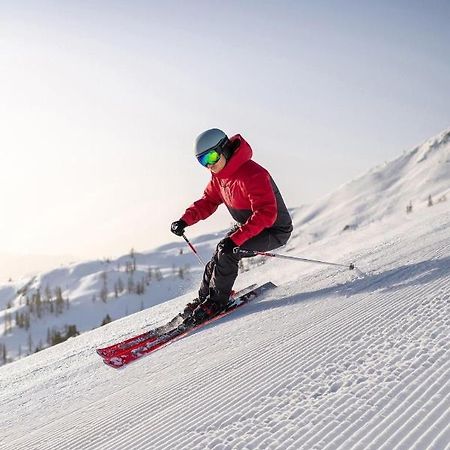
(208, 158)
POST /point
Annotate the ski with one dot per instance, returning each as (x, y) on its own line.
(129, 355)
(107, 352)
(152, 335)
(134, 341)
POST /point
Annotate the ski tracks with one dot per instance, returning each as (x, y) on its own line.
(348, 376)
(365, 366)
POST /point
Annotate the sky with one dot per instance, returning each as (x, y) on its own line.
(101, 101)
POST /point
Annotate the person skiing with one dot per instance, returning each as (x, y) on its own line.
(254, 202)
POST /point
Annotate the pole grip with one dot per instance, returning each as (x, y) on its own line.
(243, 252)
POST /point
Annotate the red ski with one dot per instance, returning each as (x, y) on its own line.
(152, 335)
(119, 347)
(129, 355)
(135, 341)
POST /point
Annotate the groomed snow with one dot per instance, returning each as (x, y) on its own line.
(328, 360)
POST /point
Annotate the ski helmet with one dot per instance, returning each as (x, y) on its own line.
(210, 139)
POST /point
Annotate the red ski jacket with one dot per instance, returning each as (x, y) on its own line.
(249, 193)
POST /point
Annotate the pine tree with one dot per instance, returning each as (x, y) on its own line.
(38, 303)
(4, 353)
(59, 302)
(27, 320)
(131, 284)
(30, 344)
(48, 293)
(120, 285)
(39, 347)
(71, 331)
(158, 274)
(104, 293)
(140, 287)
(57, 337)
(133, 260)
(7, 323)
(106, 320)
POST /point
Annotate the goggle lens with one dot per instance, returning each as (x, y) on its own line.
(208, 158)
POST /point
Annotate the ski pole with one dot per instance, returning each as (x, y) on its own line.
(188, 242)
(243, 252)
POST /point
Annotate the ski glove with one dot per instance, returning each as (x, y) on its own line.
(178, 227)
(226, 246)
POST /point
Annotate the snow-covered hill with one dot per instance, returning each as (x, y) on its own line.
(93, 290)
(328, 360)
(412, 179)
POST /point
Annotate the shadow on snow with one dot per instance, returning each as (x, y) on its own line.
(394, 279)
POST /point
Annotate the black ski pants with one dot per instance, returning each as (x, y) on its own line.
(222, 270)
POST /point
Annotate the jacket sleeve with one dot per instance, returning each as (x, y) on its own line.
(203, 208)
(263, 205)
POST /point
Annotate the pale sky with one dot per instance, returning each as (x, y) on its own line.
(100, 103)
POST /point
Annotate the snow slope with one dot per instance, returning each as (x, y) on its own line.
(381, 193)
(325, 361)
(328, 360)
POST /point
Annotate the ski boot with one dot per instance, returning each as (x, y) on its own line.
(206, 310)
(190, 308)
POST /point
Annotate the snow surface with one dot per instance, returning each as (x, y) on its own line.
(328, 360)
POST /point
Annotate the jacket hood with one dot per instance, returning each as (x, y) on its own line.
(241, 155)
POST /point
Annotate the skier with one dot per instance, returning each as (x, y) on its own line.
(254, 202)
